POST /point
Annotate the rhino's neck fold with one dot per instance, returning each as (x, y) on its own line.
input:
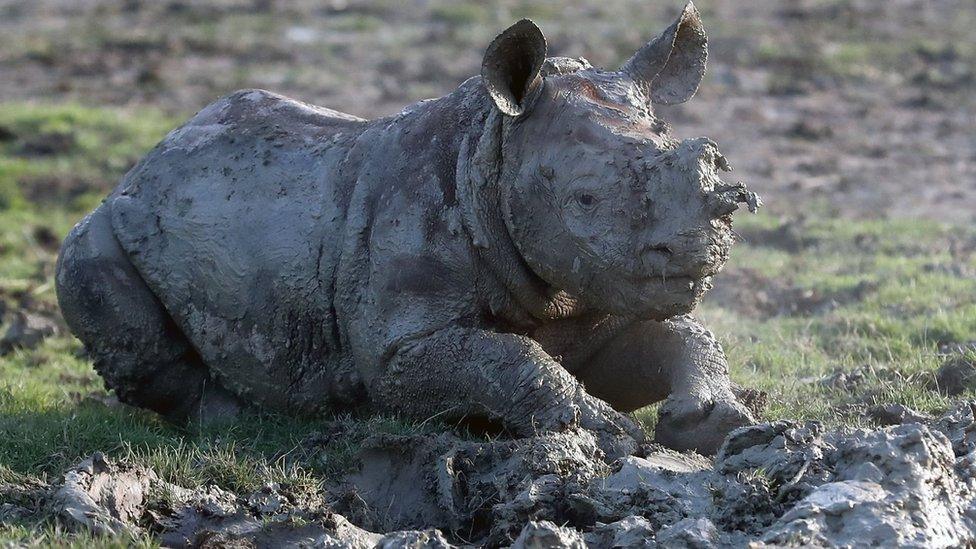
(479, 172)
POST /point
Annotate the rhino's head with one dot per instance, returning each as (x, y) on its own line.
(598, 198)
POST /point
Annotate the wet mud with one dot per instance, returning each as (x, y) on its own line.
(782, 483)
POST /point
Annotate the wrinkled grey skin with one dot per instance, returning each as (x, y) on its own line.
(476, 258)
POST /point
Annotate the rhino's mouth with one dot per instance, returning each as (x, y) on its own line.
(682, 284)
(655, 297)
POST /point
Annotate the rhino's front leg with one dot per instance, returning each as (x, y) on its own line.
(466, 374)
(702, 408)
(647, 361)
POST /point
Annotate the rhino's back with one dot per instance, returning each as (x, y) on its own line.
(235, 221)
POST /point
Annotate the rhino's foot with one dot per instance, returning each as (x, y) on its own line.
(616, 434)
(698, 423)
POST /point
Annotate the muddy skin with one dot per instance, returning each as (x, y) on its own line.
(478, 258)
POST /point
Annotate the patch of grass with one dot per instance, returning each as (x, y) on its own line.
(53, 412)
(50, 535)
(916, 300)
(69, 152)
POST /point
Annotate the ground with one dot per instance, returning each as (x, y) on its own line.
(854, 119)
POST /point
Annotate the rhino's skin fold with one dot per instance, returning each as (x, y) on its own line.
(476, 258)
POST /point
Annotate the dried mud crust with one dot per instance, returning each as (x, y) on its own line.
(778, 484)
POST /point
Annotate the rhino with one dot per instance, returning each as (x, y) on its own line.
(518, 256)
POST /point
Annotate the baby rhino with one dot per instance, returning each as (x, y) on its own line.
(517, 256)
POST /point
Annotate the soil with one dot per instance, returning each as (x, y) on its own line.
(777, 484)
(958, 372)
(27, 330)
(750, 293)
(855, 107)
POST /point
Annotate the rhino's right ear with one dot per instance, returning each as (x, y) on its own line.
(671, 66)
(511, 66)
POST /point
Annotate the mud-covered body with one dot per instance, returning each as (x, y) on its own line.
(461, 259)
(277, 239)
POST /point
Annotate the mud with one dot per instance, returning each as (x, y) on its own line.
(751, 293)
(896, 414)
(26, 331)
(958, 371)
(115, 499)
(781, 483)
(778, 484)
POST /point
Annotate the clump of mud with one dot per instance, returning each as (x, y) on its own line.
(958, 372)
(781, 484)
(115, 499)
(26, 331)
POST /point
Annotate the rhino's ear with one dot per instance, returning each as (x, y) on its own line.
(511, 66)
(671, 66)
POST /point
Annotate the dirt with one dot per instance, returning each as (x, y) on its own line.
(116, 499)
(59, 189)
(859, 107)
(753, 294)
(48, 144)
(780, 484)
(958, 372)
(27, 330)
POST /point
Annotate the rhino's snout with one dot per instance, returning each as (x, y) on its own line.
(655, 257)
(701, 156)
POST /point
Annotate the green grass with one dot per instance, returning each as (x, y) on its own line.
(915, 297)
(55, 536)
(899, 294)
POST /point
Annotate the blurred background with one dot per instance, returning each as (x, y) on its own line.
(865, 107)
(855, 120)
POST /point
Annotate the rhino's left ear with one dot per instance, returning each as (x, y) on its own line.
(511, 66)
(671, 66)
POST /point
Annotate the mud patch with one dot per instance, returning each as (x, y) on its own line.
(790, 235)
(958, 372)
(749, 292)
(782, 483)
(48, 144)
(26, 331)
(59, 188)
(117, 499)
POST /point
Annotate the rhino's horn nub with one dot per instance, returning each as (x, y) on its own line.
(671, 66)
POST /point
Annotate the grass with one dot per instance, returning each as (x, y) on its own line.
(886, 295)
(915, 299)
(52, 535)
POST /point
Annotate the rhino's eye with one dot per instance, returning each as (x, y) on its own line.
(586, 200)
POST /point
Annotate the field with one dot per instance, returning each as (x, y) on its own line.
(855, 121)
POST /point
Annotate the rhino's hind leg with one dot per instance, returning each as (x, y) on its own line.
(135, 345)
